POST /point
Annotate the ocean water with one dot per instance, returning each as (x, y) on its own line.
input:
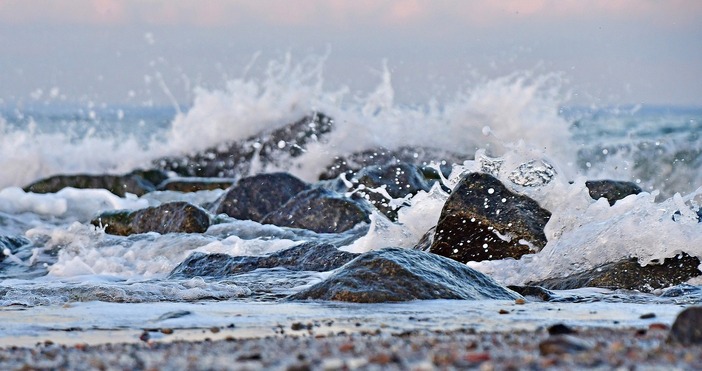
(71, 275)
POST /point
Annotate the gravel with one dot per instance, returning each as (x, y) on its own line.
(599, 348)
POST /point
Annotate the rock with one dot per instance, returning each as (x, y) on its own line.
(419, 156)
(612, 190)
(396, 274)
(254, 197)
(195, 184)
(560, 329)
(173, 217)
(11, 244)
(534, 291)
(687, 328)
(233, 160)
(120, 185)
(483, 220)
(305, 257)
(563, 344)
(630, 275)
(377, 183)
(319, 210)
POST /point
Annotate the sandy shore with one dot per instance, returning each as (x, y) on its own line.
(599, 348)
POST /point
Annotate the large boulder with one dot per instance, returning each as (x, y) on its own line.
(138, 182)
(173, 217)
(254, 197)
(384, 185)
(240, 158)
(630, 275)
(395, 274)
(612, 190)
(304, 257)
(483, 220)
(320, 210)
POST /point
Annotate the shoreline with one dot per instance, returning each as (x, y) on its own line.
(420, 349)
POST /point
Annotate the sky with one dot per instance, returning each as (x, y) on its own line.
(158, 51)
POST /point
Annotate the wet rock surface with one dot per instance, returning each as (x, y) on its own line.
(138, 182)
(319, 257)
(320, 210)
(483, 220)
(385, 185)
(195, 184)
(630, 275)
(240, 158)
(254, 197)
(687, 328)
(418, 156)
(173, 217)
(612, 190)
(395, 274)
(11, 244)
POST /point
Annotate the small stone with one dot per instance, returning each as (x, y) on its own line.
(658, 326)
(647, 316)
(167, 331)
(687, 328)
(214, 330)
(520, 301)
(562, 344)
(560, 329)
(144, 336)
(503, 311)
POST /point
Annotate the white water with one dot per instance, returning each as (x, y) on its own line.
(514, 119)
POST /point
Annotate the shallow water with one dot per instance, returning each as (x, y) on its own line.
(69, 274)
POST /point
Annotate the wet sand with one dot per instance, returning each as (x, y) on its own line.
(599, 348)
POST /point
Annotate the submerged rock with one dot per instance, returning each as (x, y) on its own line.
(173, 217)
(612, 190)
(195, 184)
(395, 274)
(687, 328)
(274, 147)
(630, 275)
(10, 244)
(483, 220)
(319, 257)
(380, 185)
(138, 182)
(254, 197)
(319, 210)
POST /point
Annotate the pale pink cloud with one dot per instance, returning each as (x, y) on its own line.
(344, 13)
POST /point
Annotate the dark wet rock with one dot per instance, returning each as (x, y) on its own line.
(173, 217)
(320, 210)
(254, 197)
(630, 275)
(396, 274)
(120, 185)
(319, 257)
(687, 328)
(11, 244)
(275, 147)
(376, 183)
(419, 156)
(534, 291)
(560, 329)
(563, 344)
(195, 184)
(612, 190)
(479, 208)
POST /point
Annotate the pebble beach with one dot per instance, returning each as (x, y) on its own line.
(552, 348)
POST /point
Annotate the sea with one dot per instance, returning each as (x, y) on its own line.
(71, 282)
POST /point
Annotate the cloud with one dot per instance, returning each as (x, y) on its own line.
(342, 13)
